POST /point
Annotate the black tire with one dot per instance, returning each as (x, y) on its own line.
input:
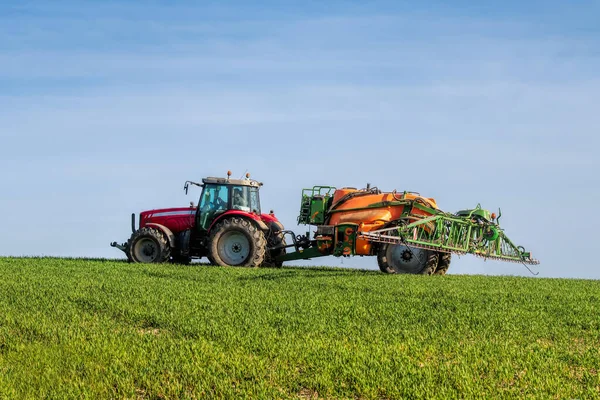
(148, 245)
(443, 263)
(431, 264)
(237, 242)
(382, 260)
(401, 259)
(181, 253)
(275, 238)
(389, 265)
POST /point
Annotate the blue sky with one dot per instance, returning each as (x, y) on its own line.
(106, 108)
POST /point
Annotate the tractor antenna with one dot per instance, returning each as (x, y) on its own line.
(243, 174)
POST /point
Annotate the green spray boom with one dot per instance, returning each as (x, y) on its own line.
(474, 231)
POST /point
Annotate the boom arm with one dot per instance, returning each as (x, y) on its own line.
(459, 234)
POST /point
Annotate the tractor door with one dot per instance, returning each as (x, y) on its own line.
(213, 202)
(245, 198)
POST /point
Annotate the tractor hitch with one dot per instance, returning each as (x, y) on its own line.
(299, 242)
(122, 247)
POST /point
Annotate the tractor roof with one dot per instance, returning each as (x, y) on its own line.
(226, 181)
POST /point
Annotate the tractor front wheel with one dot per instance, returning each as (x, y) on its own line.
(237, 242)
(148, 245)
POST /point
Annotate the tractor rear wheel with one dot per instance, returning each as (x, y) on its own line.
(148, 245)
(443, 264)
(401, 259)
(237, 242)
(275, 239)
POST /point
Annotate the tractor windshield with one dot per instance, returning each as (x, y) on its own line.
(214, 200)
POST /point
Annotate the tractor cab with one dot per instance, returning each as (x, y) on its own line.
(220, 195)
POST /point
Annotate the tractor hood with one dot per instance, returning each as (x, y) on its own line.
(176, 219)
(182, 218)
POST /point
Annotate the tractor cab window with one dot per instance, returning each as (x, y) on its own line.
(214, 198)
(240, 199)
(212, 202)
(254, 200)
(245, 198)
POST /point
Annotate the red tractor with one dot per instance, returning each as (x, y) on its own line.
(227, 227)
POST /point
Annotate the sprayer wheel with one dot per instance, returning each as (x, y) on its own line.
(383, 263)
(443, 263)
(431, 264)
(401, 259)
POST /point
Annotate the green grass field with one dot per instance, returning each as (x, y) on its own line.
(107, 329)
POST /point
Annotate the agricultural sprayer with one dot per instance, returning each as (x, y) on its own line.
(407, 232)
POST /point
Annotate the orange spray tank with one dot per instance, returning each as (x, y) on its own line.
(340, 214)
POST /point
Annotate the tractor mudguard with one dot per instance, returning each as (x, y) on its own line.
(166, 231)
(278, 224)
(270, 219)
(253, 217)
